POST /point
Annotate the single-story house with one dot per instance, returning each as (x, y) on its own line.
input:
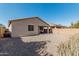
(28, 26)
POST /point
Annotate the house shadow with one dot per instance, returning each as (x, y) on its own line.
(16, 47)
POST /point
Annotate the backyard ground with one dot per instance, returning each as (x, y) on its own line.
(39, 45)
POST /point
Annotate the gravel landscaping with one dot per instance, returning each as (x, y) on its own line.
(39, 45)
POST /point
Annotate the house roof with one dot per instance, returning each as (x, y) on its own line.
(10, 21)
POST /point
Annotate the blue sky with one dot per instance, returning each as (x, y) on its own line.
(53, 12)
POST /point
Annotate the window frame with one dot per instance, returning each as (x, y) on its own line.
(30, 27)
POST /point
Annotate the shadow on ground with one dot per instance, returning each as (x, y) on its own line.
(15, 47)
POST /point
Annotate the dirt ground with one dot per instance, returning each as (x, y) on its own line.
(39, 45)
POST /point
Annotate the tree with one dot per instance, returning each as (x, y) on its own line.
(75, 24)
(72, 24)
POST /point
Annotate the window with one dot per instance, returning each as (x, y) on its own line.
(30, 27)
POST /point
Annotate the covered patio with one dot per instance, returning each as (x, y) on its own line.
(44, 29)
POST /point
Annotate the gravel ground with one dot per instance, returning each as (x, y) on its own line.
(23, 47)
(39, 45)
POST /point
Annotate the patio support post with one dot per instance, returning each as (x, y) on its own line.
(48, 29)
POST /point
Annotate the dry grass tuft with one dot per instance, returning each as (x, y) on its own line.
(69, 48)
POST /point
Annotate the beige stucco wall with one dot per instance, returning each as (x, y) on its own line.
(20, 28)
(68, 31)
(10, 28)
